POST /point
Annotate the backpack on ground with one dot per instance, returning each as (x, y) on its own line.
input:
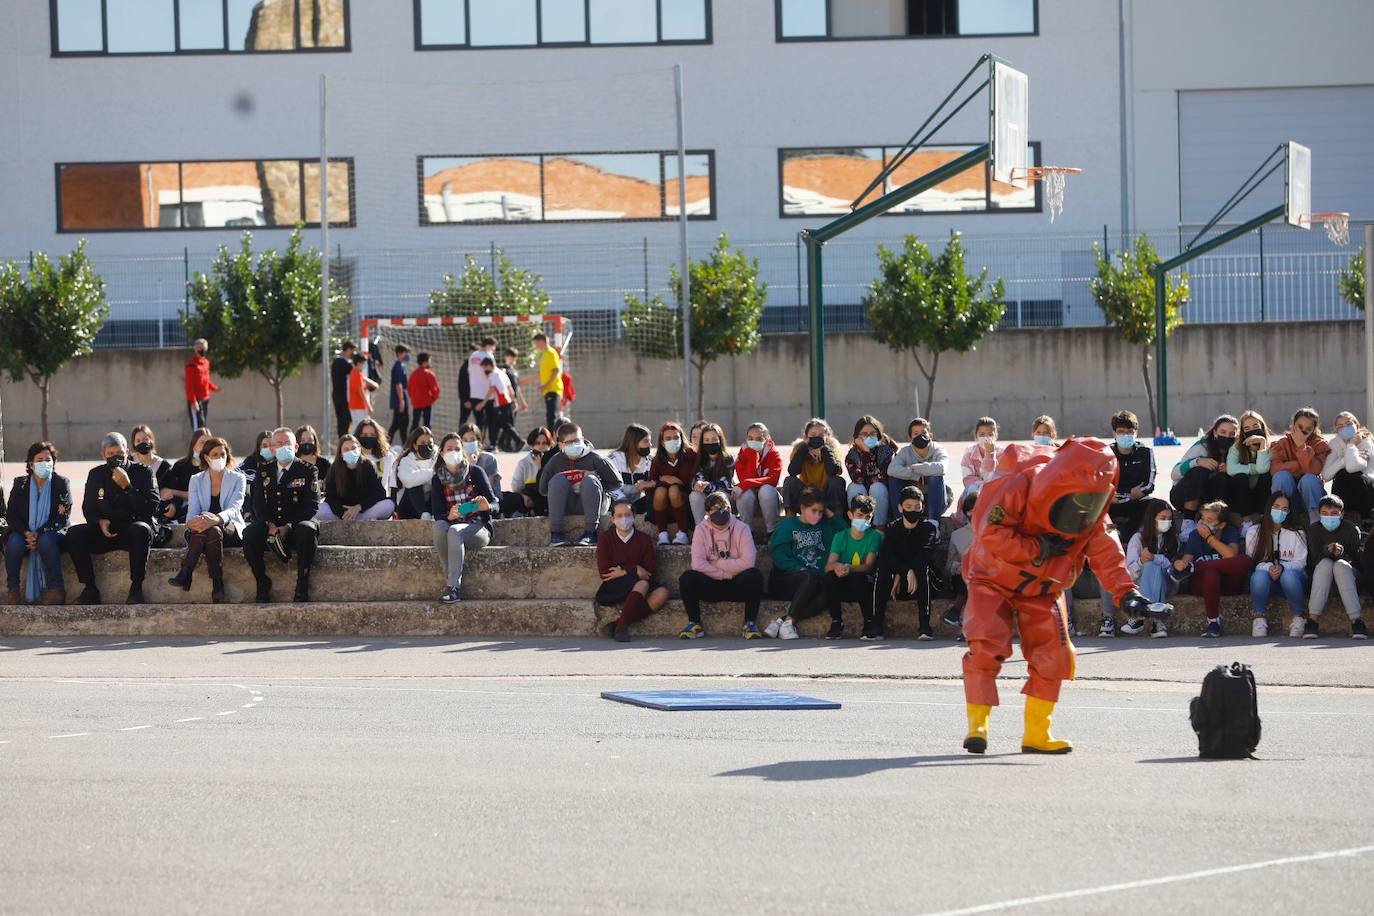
(1226, 715)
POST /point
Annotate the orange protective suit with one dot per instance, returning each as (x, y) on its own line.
(1041, 503)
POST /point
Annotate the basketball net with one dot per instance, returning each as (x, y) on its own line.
(1055, 184)
(1337, 226)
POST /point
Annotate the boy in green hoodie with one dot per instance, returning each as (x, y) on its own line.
(800, 547)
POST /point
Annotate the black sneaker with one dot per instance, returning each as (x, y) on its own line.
(89, 595)
(1213, 630)
(951, 618)
(1309, 629)
(871, 633)
(836, 630)
(558, 539)
(135, 594)
(925, 635)
(1357, 629)
(264, 595)
(586, 540)
(1134, 627)
(302, 593)
(450, 596)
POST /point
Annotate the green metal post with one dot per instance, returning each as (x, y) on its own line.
(1161, 350)
(815, 309)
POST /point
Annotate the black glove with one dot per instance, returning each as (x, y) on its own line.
(1135, 604)
(1051, 545)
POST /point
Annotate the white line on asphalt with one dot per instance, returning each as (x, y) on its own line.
(134, 728)
(1152, 882)
(191, 719)
(72, 735)
(246, 706)
(227, 712)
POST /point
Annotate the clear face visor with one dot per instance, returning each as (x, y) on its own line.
(1077, 512)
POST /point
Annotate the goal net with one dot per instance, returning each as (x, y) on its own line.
(450, 341)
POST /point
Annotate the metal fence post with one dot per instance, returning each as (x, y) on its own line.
(1261, 271)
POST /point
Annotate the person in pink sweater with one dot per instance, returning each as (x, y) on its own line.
(723, 568)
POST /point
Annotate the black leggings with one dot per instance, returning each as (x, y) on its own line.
(803, 589)
(882, 594)
(855, 586)
(697, 587)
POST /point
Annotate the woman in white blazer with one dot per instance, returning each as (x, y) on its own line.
(214, 516)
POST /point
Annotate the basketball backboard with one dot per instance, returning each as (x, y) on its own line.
(1008, 133)
(1298, 186)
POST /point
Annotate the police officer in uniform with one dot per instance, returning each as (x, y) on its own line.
(285, 500)
(120, 506)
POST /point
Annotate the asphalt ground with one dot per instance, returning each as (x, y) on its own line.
(488, 776)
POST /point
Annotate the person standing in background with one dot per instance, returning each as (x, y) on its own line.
(360, 389)
(198, 384)
(400, 403)
(339, 371)
(477, 385)
(550, 377)
(424, 393)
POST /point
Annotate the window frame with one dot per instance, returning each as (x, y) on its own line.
(301, 163)
(988, 209)
(539, 32)
(779, 38)
(178, 51)
(663, 156)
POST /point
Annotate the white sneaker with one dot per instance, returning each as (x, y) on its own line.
(773, 629)
(681, 538)
(663, 537)
(788, 630)
(1296, 627)
(1260, 628)
(1134, 627)
(1160, 631)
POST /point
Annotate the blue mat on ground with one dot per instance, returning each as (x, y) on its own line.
(676, 700)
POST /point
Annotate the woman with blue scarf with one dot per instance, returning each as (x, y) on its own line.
(40, 509)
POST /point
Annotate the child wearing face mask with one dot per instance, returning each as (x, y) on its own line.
(867, 463)
(850, 565)
(671, 472)
(1299, 457)
(415, 474)
(979, 463)
(921, 462)
(354, 490)
(1333, 548)
(758, 470)
(577, 478)
(815, 464)
(1200, 476)
(527, 498)
(1248, 462)
(627, 564)
(723, 568)
(1278, 547)
(474, 453)
(715, 471)
(461, 501)
(800, 548)
(631, 462)
(904, 565)
(1137, 469)
(1350, 465)
(1150, 556)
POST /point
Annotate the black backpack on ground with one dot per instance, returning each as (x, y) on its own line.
(1226, 715)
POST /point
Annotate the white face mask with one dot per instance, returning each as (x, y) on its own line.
(1163, 524)
(625, 522)
(453, 459)
(987, 441)
(218, 464)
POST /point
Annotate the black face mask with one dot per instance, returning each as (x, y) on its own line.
(115, 461)
(426, 452)
(537, 453)
(368, 442)
(306, 448)
(710, 448)
(921, 441)
(816, 441)
(644, 453)
(144, 448)
(1225, 441)
(1251, 433)
(913, 517)
(720, 516)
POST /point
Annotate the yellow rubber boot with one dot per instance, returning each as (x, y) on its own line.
(977, 740)
(1037, 739)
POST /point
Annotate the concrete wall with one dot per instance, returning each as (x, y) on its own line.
(1079, 375)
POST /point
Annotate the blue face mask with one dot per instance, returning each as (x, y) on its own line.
(470, 447)
(756, 444)
(672, 446)
(1347, 433)
(266, 453)
(859, 524)
(351, 458)
(574, 450)
(870, 442)
(1278, 515)
(1125, 441)
(1043, 440)
(1331, 522)
(42, 469)
(286, 454)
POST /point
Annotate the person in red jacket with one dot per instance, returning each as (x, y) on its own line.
(198, 385)
(1034, 524)
(424, 392)
(758, 468)
(627, 564)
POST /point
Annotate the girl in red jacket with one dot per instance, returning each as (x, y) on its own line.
(671, 471)
(758, 469)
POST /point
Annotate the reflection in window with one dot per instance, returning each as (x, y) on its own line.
(562, 187)
(208, 194)
(824, 182)
(526, 23)
(172, 26)
(813, 19)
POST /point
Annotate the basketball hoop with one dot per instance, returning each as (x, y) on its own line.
(1337, 226)
(1056, 180)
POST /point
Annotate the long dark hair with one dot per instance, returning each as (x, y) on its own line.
(635, 433)
(1214, 449)
(661, 453)
(346, 478)
(412, 441)
(721, 465)
(1267, 548)
(1150, 536)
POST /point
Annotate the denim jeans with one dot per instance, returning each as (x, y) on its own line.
(1291, 581)
(879, 493)
(1305, 493)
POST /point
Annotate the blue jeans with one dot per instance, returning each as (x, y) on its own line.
(1306, 493)
(1155, 583)
(49, 554)
(934, 490)
(879, 494)
(1292, 581)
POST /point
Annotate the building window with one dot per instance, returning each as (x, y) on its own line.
(819, 20)
(563, 187)
(825, 182)
(211, 194)
(448, 24)
(87, 27)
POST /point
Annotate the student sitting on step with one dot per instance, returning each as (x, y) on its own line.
(960, 540)
(1215, 552)
(850, 565)
(1333, 548)
(1150, 556)
(723, 568)
(461, 500)
(904, 564)
(524, 497)
(353, 490)
(800, 547)
(628, 565)
(576, 478)
(715, 471)
(415, 473)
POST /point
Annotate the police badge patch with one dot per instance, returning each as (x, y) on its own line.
(996, 514)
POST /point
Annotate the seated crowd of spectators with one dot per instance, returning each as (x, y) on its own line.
(1249, 510)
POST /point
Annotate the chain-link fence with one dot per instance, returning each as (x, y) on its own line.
(1276, 274)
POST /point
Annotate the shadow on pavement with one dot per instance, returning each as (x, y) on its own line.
(848, 768)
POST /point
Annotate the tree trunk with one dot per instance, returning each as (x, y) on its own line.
(929, 376)
(1149, 386)
(281, 410)
(701, 390)
(44, 387)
